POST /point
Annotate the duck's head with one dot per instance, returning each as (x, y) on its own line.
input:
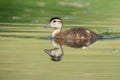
(55, 22)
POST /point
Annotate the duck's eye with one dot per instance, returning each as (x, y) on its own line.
(54, 21)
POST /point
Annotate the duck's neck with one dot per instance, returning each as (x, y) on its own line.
(55, 32)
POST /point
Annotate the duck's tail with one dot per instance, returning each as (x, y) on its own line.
(108, 37)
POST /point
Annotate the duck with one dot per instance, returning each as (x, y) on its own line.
(73, 33)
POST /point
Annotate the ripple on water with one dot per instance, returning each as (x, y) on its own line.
(116, 52)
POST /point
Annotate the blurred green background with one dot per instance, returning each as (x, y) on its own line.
(22, 40)
(38, 11)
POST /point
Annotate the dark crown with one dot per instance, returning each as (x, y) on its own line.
(55, 18)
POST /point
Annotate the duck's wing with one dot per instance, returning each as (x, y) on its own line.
(80, 33)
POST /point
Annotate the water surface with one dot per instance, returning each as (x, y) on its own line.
(23, 40)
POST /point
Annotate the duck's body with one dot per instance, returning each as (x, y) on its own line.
(74, 33)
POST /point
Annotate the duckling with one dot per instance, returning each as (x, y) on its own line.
(73, 33)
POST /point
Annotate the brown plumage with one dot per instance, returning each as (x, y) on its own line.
(74, 33)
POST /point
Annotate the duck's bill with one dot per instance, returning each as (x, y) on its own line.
(47, 26)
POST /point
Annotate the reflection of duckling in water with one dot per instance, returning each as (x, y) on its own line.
(57, 52)
(74, 33)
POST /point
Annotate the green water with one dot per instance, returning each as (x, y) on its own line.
(23, 39)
